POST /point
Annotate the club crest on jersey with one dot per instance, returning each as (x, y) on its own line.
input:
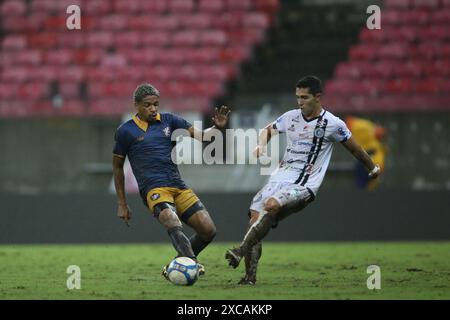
(155, 196)
(319, 132)
(166, 131)
(291, 128)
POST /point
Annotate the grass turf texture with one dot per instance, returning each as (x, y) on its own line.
(415, 270)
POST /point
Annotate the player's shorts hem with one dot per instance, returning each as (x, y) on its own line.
(191, 211)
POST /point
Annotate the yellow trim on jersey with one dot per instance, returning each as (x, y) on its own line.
(182, 198)
(144, 124)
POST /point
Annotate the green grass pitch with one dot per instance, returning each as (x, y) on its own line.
(414, 270)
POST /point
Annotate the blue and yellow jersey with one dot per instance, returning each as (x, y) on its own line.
(149, 147)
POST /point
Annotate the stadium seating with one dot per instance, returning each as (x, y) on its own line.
(188, 48)
(406, 62)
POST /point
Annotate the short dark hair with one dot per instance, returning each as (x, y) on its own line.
(313, 83)
(143, 90)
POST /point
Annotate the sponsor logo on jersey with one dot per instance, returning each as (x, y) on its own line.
(319, 132)
(141, 138)
(166, 131)
(342, 132)
(155, 196)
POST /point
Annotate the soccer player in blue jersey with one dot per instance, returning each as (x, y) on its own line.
(146, 141)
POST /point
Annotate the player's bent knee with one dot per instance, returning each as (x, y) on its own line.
(272, 206)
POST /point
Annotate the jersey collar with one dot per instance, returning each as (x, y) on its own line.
(144, 124)
(315, 118)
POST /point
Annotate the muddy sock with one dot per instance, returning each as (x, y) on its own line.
(256, 233)
(181, 242)
(198, 243)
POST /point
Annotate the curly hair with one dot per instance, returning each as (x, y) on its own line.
(143, 90)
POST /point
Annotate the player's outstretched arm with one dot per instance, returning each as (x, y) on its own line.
(220, 120)
(123, 211)
(264, 137)
(359, 153)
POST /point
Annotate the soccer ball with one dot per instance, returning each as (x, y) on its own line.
(183, 271)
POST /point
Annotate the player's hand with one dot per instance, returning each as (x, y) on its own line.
(259, 150)
(220, 118)
(124, 213)
(375, 172)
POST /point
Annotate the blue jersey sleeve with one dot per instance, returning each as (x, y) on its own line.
(179, 123)
(122, 142)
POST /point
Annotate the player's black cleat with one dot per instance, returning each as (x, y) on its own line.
(234, 257)
(247, 281)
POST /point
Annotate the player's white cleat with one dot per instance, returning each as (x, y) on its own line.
(164, 273)
(201, 269)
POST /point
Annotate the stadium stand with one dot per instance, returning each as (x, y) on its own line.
(187, 48)
(404, 66)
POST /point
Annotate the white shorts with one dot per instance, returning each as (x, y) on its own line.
(292, 197)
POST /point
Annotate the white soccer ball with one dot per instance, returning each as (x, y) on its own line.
(183, 271)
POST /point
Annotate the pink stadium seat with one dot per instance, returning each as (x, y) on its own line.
(228, 21)
(59, 57)
(14, 43)
(243, 5)
(127, 39)
(400, 86)
(441, 16)
(362, 52)
(428, 4)
(113, 22)
(256, 20)
(382, 69)
(214, 72)
(13, 8)
(196, 21)
(427, 86)
(392, 51)
(128, 6)
(97, 7)
(44, 73)
(403, 34)
(235, 54)
(437, 68)
(213, 38)
(435, 32)
(155, 6)
(269, 6)
(15, 74)
(76, 40)
(199, 55)
(71, 73)
(33, 90)
(154, 39)
(428, 50)
(100, 39)
(69, 90)
(397, 4)
(148, 55)
(391, 17)
(411, 69)
(211, 6)
(185, 38)
(117, 61)
(347, 70)
(29, 57)
(246, 37)
(188, 72)
(367, 36)
(8, 90)
(416, 17)
(176, 6)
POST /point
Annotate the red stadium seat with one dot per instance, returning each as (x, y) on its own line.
(392, 51)
(400, 86)
(391, 17)
(435, 32)
(199, 55)
(269, 6)
(155, 6)
(114, 61)
(416, 17)
(411, 69)
(59, 57)
(128, 6)
(97, 7)
(441, 16)
(69, 90)
(367, 36)
(235, 54)
(428, 86)
(228, 21)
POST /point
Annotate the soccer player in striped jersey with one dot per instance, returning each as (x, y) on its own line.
(311, 132)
